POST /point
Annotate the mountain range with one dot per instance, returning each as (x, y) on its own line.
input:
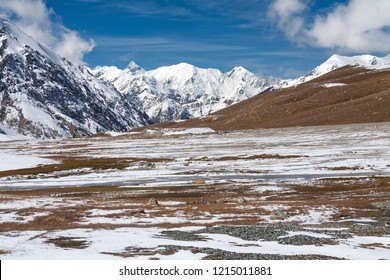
(349, 94)
(183, 91)
(43, 95)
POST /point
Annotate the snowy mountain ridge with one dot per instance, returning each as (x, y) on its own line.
(45, 96)
(183, 91)
(337, 61)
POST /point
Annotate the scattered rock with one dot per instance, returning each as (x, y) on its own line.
(242, 200)
(299, 240)
(182, 235)
(138, 212)
(384, 205)
(279, 215)
(153, 201)
(222, 200)
(251, 233)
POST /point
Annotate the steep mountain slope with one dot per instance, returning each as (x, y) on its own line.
(350, 94)
(44, 96)
(337, 61)
(183, 91)
(148, 94)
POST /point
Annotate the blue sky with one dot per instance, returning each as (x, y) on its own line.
(284, 38)
(215, 34)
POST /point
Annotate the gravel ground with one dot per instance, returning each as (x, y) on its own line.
(271, 232)
(215, 254)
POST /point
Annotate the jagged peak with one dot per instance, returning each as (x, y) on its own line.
(19, 40)
(239, 71)
(364, 60)
(134, 68)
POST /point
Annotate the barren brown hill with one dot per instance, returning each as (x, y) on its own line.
(344, 96)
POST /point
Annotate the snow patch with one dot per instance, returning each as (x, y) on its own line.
(330, 85)
(13, 162)
(200, 130)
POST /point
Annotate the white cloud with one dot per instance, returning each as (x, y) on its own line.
(355, 27)
(288, 14)
(73, 47)
(285, 9)
(35, 19)
(359, 26)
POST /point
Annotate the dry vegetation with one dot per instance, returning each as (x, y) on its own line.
(200, 204)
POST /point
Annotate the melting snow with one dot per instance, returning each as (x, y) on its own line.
(199, 130)
(330, 85)
(12, 162)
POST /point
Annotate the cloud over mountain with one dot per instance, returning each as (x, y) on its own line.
(353, 27)
(37, 20)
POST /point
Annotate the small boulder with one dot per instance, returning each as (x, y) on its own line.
(279, 215)
(153, 201)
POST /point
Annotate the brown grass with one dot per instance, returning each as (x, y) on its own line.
(341, 168)
(69, 242)
(4, 252)
(71, 163)
(374, 246)
(350, 199)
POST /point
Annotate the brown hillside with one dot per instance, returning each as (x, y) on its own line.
(364, 98)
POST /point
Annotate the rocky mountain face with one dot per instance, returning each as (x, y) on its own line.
(183, 91)
(45, 96)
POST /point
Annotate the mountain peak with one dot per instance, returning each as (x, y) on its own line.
(240, 68)
(47, 96)
(365, 60)
(17, 41)
(134, 68)
(337, 61)
(239, 71)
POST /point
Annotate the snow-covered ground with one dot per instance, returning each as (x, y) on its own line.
(265, 163)
(10, 161)
(150, 241)
(179, 157)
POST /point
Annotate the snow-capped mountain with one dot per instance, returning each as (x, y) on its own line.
(183, 91)
(45, 96)
(347, 95)
(337, 61)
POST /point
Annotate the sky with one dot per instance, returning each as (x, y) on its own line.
(282, 38)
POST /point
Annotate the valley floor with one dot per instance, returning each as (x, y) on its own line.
(291, 193)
